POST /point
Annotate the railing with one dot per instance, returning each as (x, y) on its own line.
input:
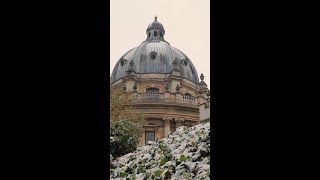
(189, 99)
(148, 97)
(159, 97)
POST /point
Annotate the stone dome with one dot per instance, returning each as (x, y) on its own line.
(154, 56)
(155, 25)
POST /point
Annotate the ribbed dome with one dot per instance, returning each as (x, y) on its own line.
(154, 56)
(155, 25)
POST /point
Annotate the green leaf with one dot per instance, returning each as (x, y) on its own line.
(158, 173)
(163, 161)
(182, 158)
(123, 174)
(162, 146)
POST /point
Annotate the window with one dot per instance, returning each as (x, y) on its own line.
(155, 33)
(185, 62)
(149, 34)
(152, 90)
(150, 136)
(160, 34)
(123, 62)
(153, 55)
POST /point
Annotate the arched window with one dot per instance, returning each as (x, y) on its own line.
(149, 34)
(160, 34)
(155, 33)
(152, 90)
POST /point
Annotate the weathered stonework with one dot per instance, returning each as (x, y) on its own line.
(166, 89)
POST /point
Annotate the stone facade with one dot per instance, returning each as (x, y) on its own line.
(168, 98)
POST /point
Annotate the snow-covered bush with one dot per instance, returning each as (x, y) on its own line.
(185, 154)
(124, 137)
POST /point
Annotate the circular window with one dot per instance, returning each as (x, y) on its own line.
(185, 62)
(123, 62)
(153, 55)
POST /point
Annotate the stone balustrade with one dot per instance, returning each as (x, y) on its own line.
(149, 97)
(189, 99)
(159, 97)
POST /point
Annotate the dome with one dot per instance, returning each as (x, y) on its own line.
(154, 56)
(155, 25)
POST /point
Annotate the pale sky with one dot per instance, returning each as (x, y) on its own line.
(186, 23)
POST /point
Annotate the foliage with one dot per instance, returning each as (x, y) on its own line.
(174, 157)
(158, 173)
(163, 161)
(182, 158)
(125, 137)
(125, 126)
(120, 106)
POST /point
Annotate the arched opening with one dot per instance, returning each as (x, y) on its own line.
(155, 33)
(149, 34)
(152, 91)
(160, 34)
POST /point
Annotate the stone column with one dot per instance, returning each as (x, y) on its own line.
(166, 126)
(143, 138)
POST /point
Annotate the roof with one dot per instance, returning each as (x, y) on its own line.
(154, 55)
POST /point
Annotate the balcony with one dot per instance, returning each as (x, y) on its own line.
(169, 98)
(189, 99)
(146, 97)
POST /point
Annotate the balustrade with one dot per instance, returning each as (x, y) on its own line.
(189, 99)
(149, 97)
(159, 97)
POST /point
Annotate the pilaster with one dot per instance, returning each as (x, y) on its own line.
(166, 124)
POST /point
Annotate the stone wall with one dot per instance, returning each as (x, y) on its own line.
(204, 110)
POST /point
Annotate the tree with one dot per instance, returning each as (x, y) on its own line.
(120, 106)
(124, 137)
(125, 126)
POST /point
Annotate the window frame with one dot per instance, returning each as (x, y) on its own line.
(147, 135)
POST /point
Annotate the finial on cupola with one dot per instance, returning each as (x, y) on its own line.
(155, 17)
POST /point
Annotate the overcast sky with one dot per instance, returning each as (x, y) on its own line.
(186, 22)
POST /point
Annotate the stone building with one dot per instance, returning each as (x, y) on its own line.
(164, 84)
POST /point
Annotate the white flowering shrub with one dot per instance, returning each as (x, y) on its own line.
(185, 154)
